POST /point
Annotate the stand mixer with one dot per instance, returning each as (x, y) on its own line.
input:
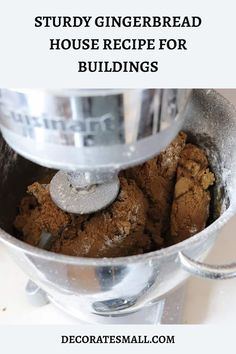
(90, 136)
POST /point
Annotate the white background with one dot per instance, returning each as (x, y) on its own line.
(46, 339)
(25, 60)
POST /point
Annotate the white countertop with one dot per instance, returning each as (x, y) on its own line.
(206, 301)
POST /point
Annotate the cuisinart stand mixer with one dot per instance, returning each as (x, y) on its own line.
(90, 136)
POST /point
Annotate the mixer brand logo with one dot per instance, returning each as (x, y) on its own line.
(88, 126)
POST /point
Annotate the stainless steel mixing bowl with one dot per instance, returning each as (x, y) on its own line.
(118, 286)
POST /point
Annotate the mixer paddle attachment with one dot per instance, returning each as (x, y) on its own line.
(80, 199)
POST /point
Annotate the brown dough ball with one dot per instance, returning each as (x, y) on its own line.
(44, 216)
(190, 209)
(156, 178)
(161, 202)
(113, 232)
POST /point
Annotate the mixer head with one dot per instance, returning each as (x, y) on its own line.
(90, 135)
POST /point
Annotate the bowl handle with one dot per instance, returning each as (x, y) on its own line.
(203, 270)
